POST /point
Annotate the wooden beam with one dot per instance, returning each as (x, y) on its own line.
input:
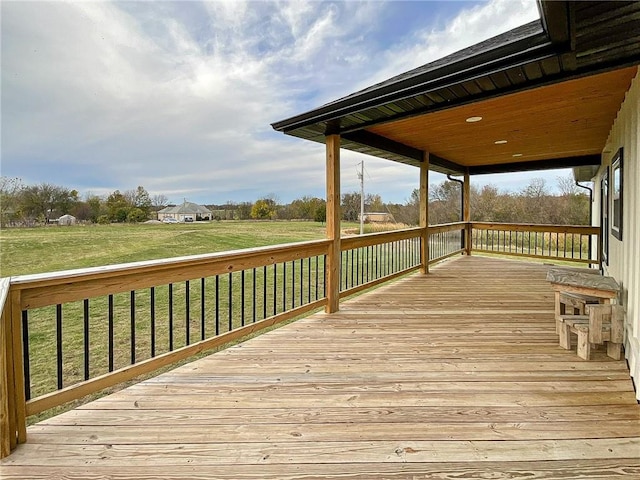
(424, 213)
(333, 223)
(554, 163)
(466, 211)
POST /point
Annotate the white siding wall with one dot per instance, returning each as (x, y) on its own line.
(624, 256)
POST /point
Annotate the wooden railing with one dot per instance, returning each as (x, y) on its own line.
(107, 325)
(571, 243)
(77, 332)
(368, 260)
(446, 240)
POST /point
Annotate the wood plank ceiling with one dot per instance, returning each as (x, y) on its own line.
(566, 119)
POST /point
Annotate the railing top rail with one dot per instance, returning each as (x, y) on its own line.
(78, 275)
(5, 283)
(382, 234)
(450, 224)
(537, 227)
(368, 239)
(447, 227)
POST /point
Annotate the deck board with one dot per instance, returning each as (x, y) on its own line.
(457, 374)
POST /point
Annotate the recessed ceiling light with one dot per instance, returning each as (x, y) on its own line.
(500, 142)
(517, 155)
(473, 119)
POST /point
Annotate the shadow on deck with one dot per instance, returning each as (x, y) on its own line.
(454, 375)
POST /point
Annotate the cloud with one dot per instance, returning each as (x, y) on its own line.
(179, 97)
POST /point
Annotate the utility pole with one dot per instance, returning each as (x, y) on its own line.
(361, 177)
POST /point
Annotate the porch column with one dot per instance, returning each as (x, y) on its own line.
(424, 213)
(466, 211)
(333, 223)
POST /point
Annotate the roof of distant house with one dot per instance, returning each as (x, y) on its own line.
(186, 208)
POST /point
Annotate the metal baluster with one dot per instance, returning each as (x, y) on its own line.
(217, 305)
(25, 354)
(132, 311)
(230, 301)
(203, 334)
(85, 328)
(187, 313)
(152, 305)
(254, 314)
(171, 317)
(110, 332)
(242, 301)
(59, 344)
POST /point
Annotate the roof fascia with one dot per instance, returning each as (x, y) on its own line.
(500, 58)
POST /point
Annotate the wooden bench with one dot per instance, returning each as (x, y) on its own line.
(603, 324)
(579, 289)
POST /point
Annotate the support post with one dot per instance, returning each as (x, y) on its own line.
(6, 430)
(18, 367)
(333, 223)
(466, 211)
(424, 213)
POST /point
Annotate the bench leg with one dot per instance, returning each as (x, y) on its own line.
(565, 336)
(614, 350)
(584, 347)
(559, 310)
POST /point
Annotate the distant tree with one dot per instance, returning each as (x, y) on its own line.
(573, 202)
(305, 208)
(96, 206)
(320, 215)
(350, 206)
(243, 210)
(444, 202)
(264, 209)
(142, 201)
(46, 201)
(159, 201)
(10, 190)
(136, 215)
(118, 207)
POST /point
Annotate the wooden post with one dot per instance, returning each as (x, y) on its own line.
(333, 223)
(6, 431)
(466, 212)
(19, 400)
(424, 213)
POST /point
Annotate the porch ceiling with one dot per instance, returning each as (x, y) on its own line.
(560, 121)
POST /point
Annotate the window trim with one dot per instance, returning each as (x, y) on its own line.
(604, 215)
(617, 190)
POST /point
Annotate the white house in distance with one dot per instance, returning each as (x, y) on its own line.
(186, 212)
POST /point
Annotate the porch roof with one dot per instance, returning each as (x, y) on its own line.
(550, 88)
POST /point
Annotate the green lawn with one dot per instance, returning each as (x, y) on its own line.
(47, 249)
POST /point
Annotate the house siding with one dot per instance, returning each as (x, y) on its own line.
(624, 255)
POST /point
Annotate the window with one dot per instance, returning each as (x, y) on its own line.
(616, 195)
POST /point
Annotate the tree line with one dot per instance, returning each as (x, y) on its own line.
(29, 205)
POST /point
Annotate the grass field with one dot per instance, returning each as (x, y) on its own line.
(47, 249)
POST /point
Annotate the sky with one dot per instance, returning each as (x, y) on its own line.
(179, 96)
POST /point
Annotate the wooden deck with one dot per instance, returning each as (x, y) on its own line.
(454, 375)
